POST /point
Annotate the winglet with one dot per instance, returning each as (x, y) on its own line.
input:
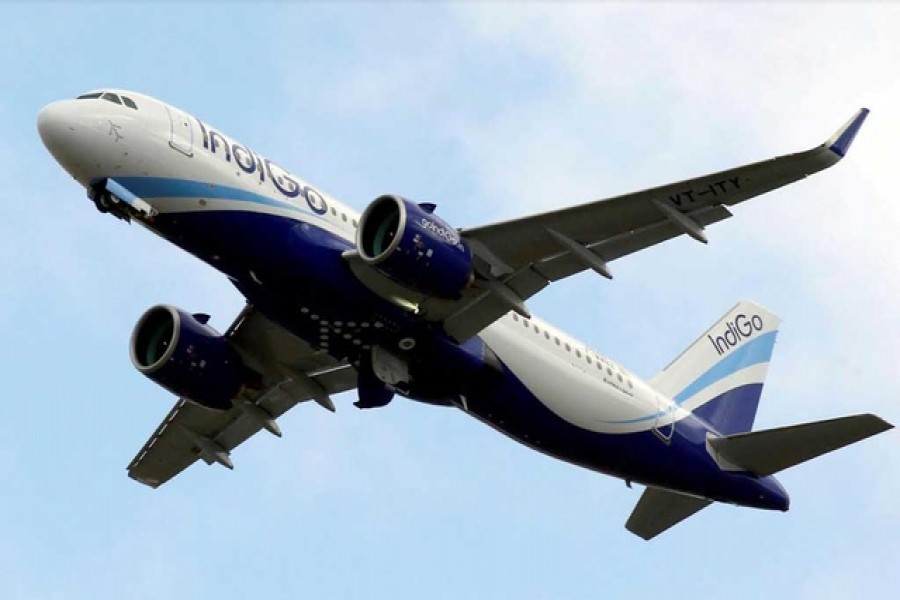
(840, 142)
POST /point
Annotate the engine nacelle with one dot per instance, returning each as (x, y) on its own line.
(411, 245)
(180, 352)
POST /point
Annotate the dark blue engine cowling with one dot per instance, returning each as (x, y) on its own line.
(411, 245)
(187, 357)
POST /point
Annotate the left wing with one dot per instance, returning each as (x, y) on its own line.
(293, 372)
(518, 258)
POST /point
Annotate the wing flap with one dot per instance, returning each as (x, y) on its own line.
(483, 310)
(659, 510)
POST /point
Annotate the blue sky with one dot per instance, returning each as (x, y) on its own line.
(491, 111)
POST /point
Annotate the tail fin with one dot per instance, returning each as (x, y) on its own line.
(720, 376)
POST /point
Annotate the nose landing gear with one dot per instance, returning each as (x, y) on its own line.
(109, 196)
(102, 200)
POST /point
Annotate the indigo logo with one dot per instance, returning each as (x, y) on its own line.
(741, 328)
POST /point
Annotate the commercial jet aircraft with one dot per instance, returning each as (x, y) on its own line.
(396, 301)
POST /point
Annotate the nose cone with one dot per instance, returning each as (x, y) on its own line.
(52, 125)
(57, 125)
(73, 135)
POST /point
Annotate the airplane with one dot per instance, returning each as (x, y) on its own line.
(395, 301)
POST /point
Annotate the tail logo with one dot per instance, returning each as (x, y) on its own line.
(741, 328)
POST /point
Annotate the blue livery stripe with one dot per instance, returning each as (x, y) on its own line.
(163, 187)
(656, 415)
(752, 353)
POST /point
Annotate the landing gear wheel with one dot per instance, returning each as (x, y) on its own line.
(103, 202)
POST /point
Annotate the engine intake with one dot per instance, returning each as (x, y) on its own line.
(183, 354)
(410, 244)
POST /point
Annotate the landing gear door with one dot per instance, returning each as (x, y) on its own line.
(182, 138)
(664, 426)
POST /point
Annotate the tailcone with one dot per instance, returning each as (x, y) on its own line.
(773, 496)
(766, 493)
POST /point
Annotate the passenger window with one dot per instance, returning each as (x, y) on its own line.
(112, 98)
(344, 217)
(547, 334)
(129, 102)
(536, 330)
(333, 211)
(620, 378)
(354, 223)
(568, 347)
(89, 96)
(588, 357)
(578, 353)
(609, 371)
(630, 385)
(557, 341)
(515, 317)
(599, 367)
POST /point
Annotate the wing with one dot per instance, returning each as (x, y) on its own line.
(518, 258)
(293, 372)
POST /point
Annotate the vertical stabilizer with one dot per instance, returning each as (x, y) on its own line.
(720, 376)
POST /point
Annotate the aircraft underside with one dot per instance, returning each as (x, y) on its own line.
(396, 301)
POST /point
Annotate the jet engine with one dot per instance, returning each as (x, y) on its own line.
(410, 244)
(183, 354)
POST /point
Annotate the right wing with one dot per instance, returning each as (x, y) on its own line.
(516, 259)
(293, 372)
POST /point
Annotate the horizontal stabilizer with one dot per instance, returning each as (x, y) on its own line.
(660, 509)
(772, 450)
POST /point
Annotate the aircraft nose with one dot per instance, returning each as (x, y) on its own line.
(53, 126)
(73, 136)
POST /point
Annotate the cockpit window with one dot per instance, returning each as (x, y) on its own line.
(110, 97)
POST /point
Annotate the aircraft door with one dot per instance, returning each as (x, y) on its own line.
(182, 134)
(663, 427)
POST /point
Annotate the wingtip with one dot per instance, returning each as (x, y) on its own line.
(641, 534)
(880, 423)
(840, 142)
